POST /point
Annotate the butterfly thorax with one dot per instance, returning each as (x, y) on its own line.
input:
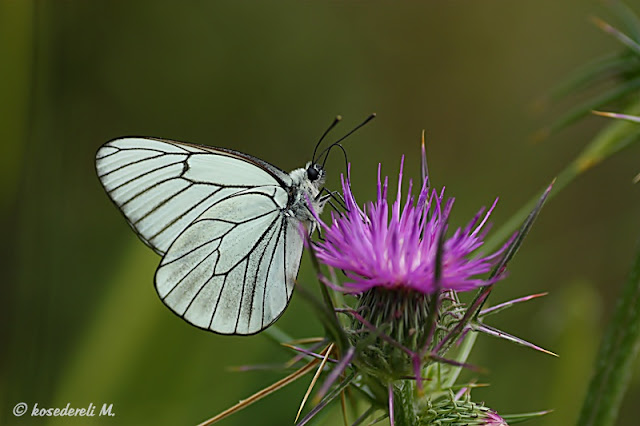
(304, 195)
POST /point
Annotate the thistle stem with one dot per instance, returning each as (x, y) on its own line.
(402, 412)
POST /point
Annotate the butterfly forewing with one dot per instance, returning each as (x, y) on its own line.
(162, 187)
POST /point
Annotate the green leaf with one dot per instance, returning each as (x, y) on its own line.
(521, 235)
(523, 417)
(590, 74)
(628, 17)
(327, 311)
(612, 139)
(614, 363)
(617, 92)
(622, 37)
(277, 335)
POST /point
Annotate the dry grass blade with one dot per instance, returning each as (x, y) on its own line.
(328, 399)
(327, 351)
(261, 394)
(304, 341)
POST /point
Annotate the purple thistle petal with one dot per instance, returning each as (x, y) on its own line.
(395, 246)
(460, 393)
(324, 280)
(493, 419)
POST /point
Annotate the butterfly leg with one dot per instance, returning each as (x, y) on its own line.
(335, 195)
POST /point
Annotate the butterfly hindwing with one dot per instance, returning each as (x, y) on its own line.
(232, 271)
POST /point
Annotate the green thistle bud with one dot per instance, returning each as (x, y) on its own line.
(401, 316)
(451, 412)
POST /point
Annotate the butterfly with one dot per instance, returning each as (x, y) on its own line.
(227, 225)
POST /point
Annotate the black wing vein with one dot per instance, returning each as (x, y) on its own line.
(264, 294)
(255, 281)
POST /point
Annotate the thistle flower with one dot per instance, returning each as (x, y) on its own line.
(394, 346)
(399, 252)
(406, 274)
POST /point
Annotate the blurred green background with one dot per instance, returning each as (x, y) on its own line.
(80, 321)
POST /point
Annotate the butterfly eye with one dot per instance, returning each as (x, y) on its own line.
(313, 173)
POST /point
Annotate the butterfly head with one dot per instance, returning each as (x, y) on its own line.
(306, 184)
(315, 172)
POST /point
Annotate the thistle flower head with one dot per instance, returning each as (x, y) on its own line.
(394, 245)
(394, 345)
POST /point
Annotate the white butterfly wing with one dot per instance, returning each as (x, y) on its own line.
(162, 186)
(231, 255)
(233, 270)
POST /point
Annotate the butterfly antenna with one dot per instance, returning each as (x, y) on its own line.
(368, 119)
(333, 124)
(344, 152)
